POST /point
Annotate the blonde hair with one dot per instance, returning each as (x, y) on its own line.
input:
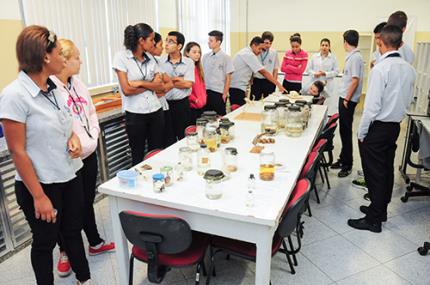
(67, 47)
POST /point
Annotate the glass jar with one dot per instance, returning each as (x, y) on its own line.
(186, 158)
(269, 125)
(179, 172)
(232, 130)
(211, 117)
(210, 137)
(167, 171)
(294, 121)
(280, 108)
(203, 160)
(193, 141)
(230, 160)
(213, 188)
(225, 131)
(267, 165)
(158, 182)
(200, 126)
(286, 101)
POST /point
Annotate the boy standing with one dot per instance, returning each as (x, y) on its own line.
(400, 19)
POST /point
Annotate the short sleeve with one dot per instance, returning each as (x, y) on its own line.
(119, 62)
(276, 66)
(252, 61)
(189, 72)
(13, 107)
(229, 67)
(356, 67)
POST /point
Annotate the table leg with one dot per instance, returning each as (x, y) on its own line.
(263, 259)
(121, 245)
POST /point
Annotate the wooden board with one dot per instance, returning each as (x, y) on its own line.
(107, 102)
(245, 116)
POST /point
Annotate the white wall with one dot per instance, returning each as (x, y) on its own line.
(10, 10)
(167, 13)
(328, 15)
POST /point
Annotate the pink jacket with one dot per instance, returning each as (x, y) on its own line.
(85, 110)
(294, 64)
(198, 92)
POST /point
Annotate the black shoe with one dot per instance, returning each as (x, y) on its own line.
(336, 165)
(365, 209)
(344, 172)
(363, 224)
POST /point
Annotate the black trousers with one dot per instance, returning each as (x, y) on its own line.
(195, 114)
(346, 117)
(377, 153)
(180, 113)
(215, 102)
(168, 136)
(142, 128)
(292, 86)
(262, 88)
(67, 199)
(237, 96)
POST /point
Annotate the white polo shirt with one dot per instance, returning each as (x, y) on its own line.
(245, 64)
(269, 59)
(354, 67)
(184, 68)
(216, 66)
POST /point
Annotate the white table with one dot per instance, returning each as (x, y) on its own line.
(228, 216)
(276, 96)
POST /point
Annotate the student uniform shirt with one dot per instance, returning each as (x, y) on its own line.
(216, 66)
(147, 101)
(47, 128)
(389, 92)
(405, 52)
(245, 64)
(162, 99)
(184, 68)
(354, 67)
(269, 59)
(328, 64)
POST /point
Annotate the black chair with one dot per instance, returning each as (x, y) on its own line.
(163, 242)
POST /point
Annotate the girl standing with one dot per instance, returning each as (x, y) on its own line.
(294, 64)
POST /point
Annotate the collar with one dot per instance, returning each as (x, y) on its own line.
(129, 54)
(391, 53)
(215, 53)
(59, 83)
(351, 53)
(31, 87)
(328, 55)
(180, 60)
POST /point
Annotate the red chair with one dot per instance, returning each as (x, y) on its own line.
(190, 129)
(290, 222)
(333, 119)
(163, 241)
(234, 107)
(320, 147)
(151, 153)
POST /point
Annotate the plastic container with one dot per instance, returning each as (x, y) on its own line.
(158, 184)
(127, 178)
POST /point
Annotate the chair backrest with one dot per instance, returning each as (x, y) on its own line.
(320, 145)
(234, 107)
(151, 153)
(309, 167)
(190, 129)
(303, 187)
(331, 120)
(170, 234)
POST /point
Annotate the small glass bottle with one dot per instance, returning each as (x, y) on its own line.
(211, 138)
(269, 125)
(185, 157)
(167, 171)
(158, 182)
(250, 193)
(214, 186)
(203, 161)
(193, 141)
(179, 172)
(267, 165)
(230, 160)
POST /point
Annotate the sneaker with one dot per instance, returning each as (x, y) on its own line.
(336, 165)
(63, 267)
(344, 172)
(101, 248)
(359, 183)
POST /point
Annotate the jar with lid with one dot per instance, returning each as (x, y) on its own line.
(213, 188)
(167, 171)
(280, 108)
(294, 122)
(211, 117)
(158, 182)
(193, 141)
(267, 164)
(186, 158)
(224, 127)
(210, 137)
(304, 108)
(285, 101)
(203, 160)
(200, 126)
(269, 125)
(230, 160)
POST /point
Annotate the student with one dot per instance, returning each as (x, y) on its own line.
(167, 85)
(38, 130)
(317, 90)
(181, 70)
(400, 19)
(349, 94)
(198, 95)
(323, 67)
(261, 87)
(217, 69)
(139, 79)
(86, 127)
(376, 54)
(294, 64)
(245, 64)
(390, 92)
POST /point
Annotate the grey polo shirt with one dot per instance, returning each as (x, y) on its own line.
(354, 67)
(48, 124)
(269, 59)
(216, 66)
(245, 64)
(162, 99)
(406, 53)
(147, 101)
(184, 68)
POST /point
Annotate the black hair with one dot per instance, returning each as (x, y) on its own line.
(327, 41)
(399, 19)
(391, 36)
(319, 85)
(157, 38)
(217, 34)
(180, 39)
(132, 34)
(379, 27)
(256, 41)
(296, 38)
(351, 37)
(267, 36)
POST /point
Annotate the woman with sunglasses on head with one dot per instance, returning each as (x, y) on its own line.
(86, 126)
(139, 80)
(46, 153)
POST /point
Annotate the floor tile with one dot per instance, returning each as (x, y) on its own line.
(377, 275)
(336, 216)
(314, 230)
(412, 267)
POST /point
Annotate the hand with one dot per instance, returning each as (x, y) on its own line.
(74, 146)
(44, 210)
(282, 89)
(177, 79)
(224, 97)
(317, 74)
(322, 73)
(345, 103)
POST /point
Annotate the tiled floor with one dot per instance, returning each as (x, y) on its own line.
(332, 252)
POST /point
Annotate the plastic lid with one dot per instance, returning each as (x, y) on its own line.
(209, 113)
(158, 176)
(192, 134)
(127, 174)
(269, 107)
(284, 101)
(281, 104)
(203, 145)
(294, 108)
(166, 168)
(231, 150)
(214, 175)
(184, 149)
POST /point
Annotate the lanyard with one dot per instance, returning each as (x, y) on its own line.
(76, 106)
(264, 57)
(140, 67)
(53, 102)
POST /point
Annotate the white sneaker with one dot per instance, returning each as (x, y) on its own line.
(88, 282)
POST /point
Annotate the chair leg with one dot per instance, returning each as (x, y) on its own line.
(130, 273)
(316, 193)
(326, 178)
(321, 175)
(290, 263)
(292, 249)
(205, 273)
(309, 208)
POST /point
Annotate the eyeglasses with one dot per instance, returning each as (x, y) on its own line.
(171, 42)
